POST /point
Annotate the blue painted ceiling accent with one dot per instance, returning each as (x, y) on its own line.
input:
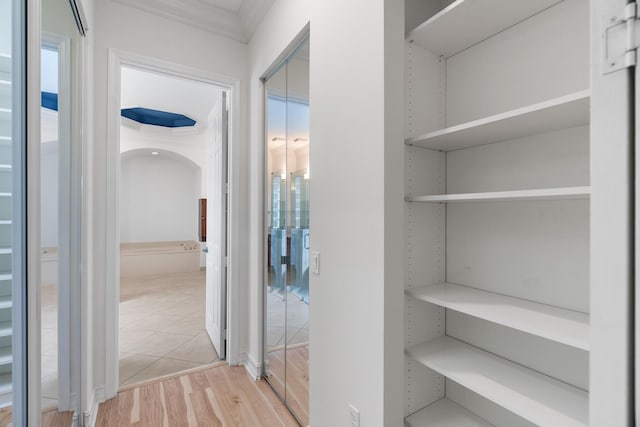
(148, 116)
(50, 101)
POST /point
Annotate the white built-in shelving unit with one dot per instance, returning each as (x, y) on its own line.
(497, 189)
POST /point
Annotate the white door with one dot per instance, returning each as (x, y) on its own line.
(216, 275)
(612, 171)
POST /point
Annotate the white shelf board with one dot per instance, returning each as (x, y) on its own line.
(467, 22)
(553, 323)
(6, 302)
(555, 114)
(445, 413)
(5, 277)
(564, 193)
(529, 394)
(6, 251)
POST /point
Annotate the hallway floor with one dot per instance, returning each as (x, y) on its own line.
(218, 396)
(162, 326)
(49, 343)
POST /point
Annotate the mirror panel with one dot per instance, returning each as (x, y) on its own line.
(60, 209)
(8, 299)
(297, 341)
(287, 190)
(276, 229)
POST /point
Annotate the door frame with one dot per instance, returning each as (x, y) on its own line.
(611, 368)
(117, 59)
(66, 232)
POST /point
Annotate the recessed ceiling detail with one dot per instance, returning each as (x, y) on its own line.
(148, 116)
(50, 101)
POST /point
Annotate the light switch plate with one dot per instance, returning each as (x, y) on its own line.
(354, 416)
(315, 262)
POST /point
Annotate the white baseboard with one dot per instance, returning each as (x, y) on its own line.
(253, 367)
(91, 415)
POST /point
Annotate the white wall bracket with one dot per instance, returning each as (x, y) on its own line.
(621, 40)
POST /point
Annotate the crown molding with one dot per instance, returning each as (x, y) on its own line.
(251, 13)
(198, 14)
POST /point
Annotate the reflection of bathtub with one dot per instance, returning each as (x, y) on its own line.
(49, 266)
(149, 258)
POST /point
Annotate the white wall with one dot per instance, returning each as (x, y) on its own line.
(133, 30)
(158, 198)
(357, 75)
(191, 147)
(356, 107)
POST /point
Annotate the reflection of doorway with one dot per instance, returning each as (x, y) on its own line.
(50, 226)
(165, 137)
(56, 229)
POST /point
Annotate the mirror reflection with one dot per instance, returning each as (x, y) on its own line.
(288, 235)
(60, 52)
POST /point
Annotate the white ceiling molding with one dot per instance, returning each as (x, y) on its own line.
(210, 15)
(251, 13)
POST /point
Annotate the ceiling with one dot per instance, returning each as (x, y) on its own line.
(236, 19)
(167, 93)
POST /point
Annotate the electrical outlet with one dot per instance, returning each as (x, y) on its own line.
(315, 262)
(354, 416)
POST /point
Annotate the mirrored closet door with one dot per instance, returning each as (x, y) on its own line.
(287, 232)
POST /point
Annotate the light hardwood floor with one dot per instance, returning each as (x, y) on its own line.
(50, 418)
(219, 396)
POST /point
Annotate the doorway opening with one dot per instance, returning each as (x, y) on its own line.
(172, 224)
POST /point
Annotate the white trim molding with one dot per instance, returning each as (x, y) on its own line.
(89, 417)
(117, 59)
(62, 44)
(253, 367)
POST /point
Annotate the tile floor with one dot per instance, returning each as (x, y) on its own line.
(162, 329)
(49, 343)
(297, 317)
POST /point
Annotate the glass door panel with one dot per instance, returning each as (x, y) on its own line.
(276, 231)
(297, 331)
(287, 232)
